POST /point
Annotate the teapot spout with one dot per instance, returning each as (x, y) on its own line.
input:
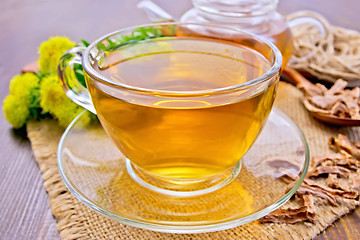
(154, 12)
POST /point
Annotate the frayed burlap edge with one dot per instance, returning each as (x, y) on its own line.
(75, 221)
(44, 137)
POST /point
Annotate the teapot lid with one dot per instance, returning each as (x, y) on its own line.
(236, 8)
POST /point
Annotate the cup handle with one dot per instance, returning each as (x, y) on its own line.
(74, 89)
(308, 17)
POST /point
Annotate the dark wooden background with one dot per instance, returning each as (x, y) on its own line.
(24, 24)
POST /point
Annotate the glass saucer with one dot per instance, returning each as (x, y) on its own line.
(95, 172)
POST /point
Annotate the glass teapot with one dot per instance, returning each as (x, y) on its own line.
(256, 16)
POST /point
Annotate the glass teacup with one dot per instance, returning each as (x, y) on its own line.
(182, 102)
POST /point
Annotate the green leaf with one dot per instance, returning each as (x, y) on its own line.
(101, 46)
(84, 42)
(139, 34)
(111, 43)
(35, 113)
(79, 74)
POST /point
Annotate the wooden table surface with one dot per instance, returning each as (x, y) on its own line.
(24, 24)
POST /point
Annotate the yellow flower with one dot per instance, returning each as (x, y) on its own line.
(55, 101)
(25, 87)
(16, 111)
(51, 52)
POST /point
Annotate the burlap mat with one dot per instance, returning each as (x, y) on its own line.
(76, 221)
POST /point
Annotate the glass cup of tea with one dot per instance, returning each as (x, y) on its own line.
(182, 102)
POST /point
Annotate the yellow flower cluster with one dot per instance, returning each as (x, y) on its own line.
(39, 95)
(23, 97)
(51, 52)
(55, 101)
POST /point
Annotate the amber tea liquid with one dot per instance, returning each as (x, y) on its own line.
(183, 137)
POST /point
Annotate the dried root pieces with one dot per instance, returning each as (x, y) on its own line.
(331, 176)
(334, 102)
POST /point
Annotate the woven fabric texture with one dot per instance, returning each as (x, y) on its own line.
(76, 221)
